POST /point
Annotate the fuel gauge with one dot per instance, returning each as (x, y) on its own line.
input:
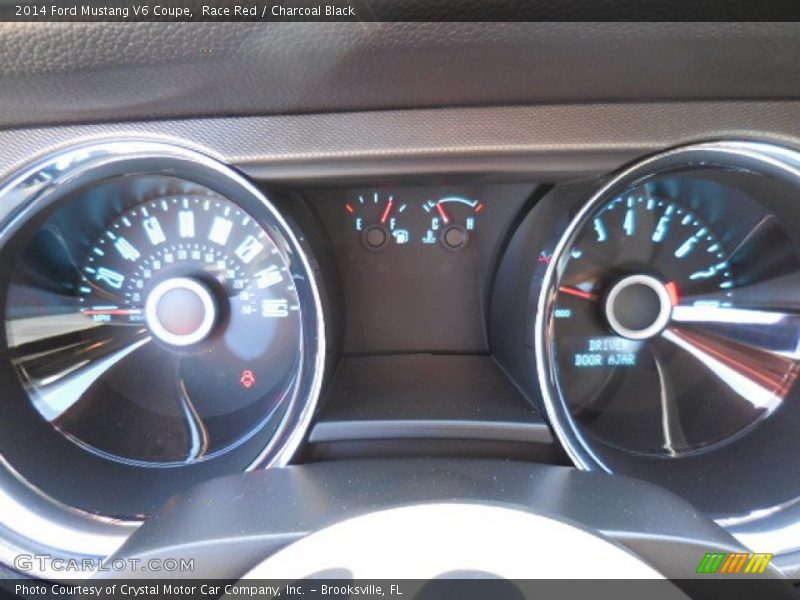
(376, 219)
(453, 218)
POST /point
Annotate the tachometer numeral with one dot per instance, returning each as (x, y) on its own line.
(663, 225)
(600, 229)
(630, 221)
(710, 272)
(629, 225)
(689, 244)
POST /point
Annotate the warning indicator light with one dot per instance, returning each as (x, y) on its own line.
(248, 379)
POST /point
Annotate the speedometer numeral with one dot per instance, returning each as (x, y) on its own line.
(275, 308)
(153, 230)
(220, 231)
(110, 278)
(186, 223)
(126, 249)
(249, 249)
(268, 277)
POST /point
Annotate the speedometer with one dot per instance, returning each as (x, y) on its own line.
(163, 327)
(159, 313)
(184, 340)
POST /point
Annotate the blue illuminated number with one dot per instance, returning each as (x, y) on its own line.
(109, 277)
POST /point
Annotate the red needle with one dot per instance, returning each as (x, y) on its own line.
(440, 208)
(388, 210)
(577, 292)
(113, 311)
(672, 289)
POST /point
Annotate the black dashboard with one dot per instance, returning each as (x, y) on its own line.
(222, 298)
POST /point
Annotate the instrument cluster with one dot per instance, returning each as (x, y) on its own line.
(167, 321)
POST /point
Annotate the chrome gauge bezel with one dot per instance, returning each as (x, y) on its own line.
(778, 522)
(33, 521)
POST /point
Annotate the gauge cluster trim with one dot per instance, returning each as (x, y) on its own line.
(773, 524)
(559, 141)
(394, 429)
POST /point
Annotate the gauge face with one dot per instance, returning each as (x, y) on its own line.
(381, 220)
(182, 339)
(377, 219)
(652, 352)
(452, 221)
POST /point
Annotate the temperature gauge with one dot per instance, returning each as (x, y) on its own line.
(375, 218)
(452, 220)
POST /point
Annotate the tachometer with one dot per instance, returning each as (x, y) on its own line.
(665, 333)
(643, 263)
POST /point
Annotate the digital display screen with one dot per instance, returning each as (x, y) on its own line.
(609, 351)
